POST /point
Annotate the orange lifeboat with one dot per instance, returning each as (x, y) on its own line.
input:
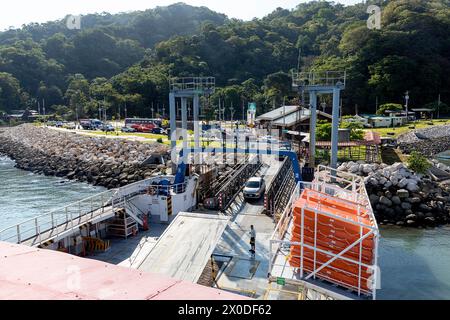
(331, 225)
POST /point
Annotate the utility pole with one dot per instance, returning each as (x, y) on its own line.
(376, 105)
(224, 110)
(104, 108)
(284, 118)
(220, 110)
(76, 112)
(243, 111)
(232, 112)
(439, 105)
(152, 110)
(406, 105)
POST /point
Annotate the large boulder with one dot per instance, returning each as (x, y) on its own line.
(385, 201)
(402, 193)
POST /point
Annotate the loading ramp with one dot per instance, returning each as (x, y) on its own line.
(184, 249)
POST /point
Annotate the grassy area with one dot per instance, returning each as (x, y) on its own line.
(154, 138)
(136, 134)
(420, 124)
(391, 156)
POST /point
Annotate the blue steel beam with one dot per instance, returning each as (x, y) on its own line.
(181, 169)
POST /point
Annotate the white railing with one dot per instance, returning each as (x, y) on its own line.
(150, 186)
(281, 241)
(195, 84)
(347, 182)
(62, 220)
(59, 220)
(320, 79)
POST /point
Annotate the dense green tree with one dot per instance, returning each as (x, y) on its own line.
(77, 95)
(389, 106)
(10, 92)
(136, 53)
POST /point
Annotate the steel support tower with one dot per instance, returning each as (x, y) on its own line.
(188, 88)
(316, 83)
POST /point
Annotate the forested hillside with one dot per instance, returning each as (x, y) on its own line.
(118, 60)
(39, 60)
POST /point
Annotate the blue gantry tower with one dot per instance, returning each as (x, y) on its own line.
(316, 83)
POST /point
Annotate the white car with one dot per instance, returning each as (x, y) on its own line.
(128, 129)
(254, 188)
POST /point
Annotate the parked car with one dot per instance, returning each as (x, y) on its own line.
(127, 129)
(147, 128)
(107, 128)
(96, 124)
(158, 130)
(59, 124)
(87, 125)
(70, 126)
(254, 188)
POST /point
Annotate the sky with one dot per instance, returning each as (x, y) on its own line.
(14, 13)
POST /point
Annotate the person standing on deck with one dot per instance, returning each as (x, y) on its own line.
(252, 240)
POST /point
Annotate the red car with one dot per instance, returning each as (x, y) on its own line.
(145, 128)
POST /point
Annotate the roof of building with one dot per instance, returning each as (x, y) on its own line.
(277, 113)
(370, 138)
(423, 110)
(38, 274)
(296, 117)
(373, 137)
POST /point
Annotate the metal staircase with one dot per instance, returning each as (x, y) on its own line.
(122, 225)
(134, 212)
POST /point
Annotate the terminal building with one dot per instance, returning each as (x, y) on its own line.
(289, 118)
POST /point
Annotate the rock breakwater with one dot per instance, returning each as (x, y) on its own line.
(97, 160)
(429, 141)
(401, 197)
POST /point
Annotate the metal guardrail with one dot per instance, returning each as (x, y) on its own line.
(193, 84)
(53, 220)
(150, 186)
(236, 183)
(319, 79)
(350, 185)
(281, 187)
(63, 219)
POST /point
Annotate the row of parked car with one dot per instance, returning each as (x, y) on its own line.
(144, 128)
(93, 124)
